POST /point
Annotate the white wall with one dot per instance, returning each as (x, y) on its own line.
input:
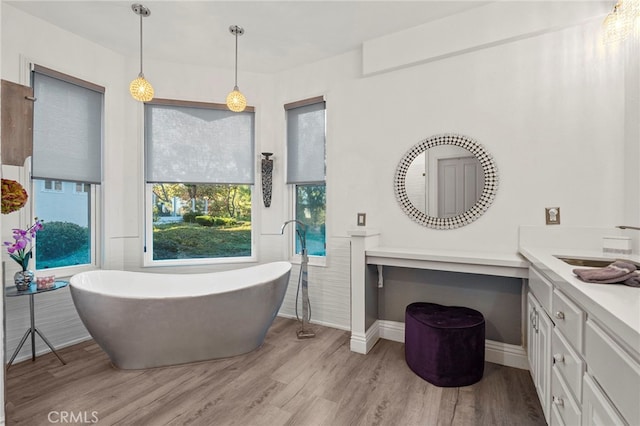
(549, 108)
(631, 183)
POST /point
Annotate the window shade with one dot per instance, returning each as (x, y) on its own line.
(67, 128)
(306, 143)
(189, 144)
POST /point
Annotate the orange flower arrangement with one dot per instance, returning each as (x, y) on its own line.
(14, 197)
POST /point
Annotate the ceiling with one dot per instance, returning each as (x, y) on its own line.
(279, 35)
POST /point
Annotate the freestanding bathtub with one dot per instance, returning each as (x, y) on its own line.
(144, 320)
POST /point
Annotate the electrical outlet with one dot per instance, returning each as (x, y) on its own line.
(552, 215)
(362, 219)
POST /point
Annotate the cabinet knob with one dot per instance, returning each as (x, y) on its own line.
(560, 315)
(558, 401)
(558, 358)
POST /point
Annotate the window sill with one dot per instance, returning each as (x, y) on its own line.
(65, 271)
(198, 262)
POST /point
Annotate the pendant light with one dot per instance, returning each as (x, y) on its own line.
(622, 21)
(141, 89)
(236, 100)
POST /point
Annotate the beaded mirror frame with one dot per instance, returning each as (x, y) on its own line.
(484, 201)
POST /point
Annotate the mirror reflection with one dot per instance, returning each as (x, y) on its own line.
(444, 181)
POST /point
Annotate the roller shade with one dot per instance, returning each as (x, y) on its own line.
(198, 143)
(306, 142)
(67, 127)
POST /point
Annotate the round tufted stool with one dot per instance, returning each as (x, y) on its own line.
(444, 344)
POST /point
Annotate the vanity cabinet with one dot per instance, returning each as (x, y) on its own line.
(590, 376)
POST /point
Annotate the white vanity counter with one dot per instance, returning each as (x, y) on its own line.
(616, 306)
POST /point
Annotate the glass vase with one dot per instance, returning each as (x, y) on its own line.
(23, 280)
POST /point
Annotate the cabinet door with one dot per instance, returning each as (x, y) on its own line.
(17, 123)
(544, 328)
(539, 332)
(596, 408)
(532, 347)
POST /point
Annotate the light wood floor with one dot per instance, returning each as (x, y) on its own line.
(285, 382)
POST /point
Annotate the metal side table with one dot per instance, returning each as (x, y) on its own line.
(31, 292)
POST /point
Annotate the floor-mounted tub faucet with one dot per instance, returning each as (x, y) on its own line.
(301, 231)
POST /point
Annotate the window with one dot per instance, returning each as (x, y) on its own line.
(306, 170)
(82, 188)
(52, 185)
(67, 143)
(199, 170)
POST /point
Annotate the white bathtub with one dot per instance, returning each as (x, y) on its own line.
(144, 320)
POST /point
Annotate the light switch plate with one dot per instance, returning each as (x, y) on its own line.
(552, 215)
(362, 219)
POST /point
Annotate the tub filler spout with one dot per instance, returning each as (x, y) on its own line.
(301, 231)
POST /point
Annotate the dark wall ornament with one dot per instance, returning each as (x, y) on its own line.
(267, 178)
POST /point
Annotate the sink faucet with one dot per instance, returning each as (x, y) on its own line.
(637, 228)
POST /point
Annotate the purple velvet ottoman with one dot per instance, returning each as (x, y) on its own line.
(444, 344)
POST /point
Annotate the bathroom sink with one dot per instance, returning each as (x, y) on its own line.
(596, 263)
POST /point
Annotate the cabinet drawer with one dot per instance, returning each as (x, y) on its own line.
(563, 401)
(556, 420)
(541, 288)
(568, 363)
(569, 318)
(596, 408)
(614, 370)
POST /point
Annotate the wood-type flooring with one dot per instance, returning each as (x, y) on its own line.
(287, 381)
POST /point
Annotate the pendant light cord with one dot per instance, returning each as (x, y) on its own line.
(236, 34)
(141, 74)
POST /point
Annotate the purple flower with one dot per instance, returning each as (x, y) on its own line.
(22, 238)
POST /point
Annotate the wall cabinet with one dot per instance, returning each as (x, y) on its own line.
(17, 123)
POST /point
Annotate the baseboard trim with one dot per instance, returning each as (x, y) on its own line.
(313, 321)
(506, 354)
(495, 352)
(362, 343)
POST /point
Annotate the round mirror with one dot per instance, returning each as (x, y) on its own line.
(446, 181)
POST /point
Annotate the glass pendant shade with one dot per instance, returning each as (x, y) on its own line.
(141, 90)
(620, 23)
(236, 100)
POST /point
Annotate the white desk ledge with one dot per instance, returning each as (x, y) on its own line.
(498, 264)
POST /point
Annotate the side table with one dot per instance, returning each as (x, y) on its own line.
(31, 292)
